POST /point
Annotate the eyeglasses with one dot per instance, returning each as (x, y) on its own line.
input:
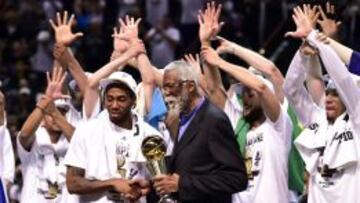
(171, 86)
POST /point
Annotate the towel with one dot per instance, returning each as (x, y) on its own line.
(49, 164)
(331, 146)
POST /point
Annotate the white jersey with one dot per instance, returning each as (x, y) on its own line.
(330, 151)
(7, 161)
(43, 170)
(106, 151)
(266, 160)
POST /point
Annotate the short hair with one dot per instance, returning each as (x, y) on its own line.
(184, 69)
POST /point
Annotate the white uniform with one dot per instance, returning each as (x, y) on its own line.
(266, 160)
(106, 151)
(330, 151)
(7, 161)
(42, 165)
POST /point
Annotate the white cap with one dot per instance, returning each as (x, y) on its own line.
(121, 77)
(62, 103)
(25, 91)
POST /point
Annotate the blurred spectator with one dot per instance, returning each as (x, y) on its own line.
(42, 60)
(156, 10)
(163, 40)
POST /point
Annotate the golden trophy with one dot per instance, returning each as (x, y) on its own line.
(154, 149)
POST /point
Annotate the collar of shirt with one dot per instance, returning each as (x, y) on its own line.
(185, 119)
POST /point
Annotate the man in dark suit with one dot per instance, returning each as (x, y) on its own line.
(206, 165)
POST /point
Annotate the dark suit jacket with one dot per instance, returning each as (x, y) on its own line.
(208, 159)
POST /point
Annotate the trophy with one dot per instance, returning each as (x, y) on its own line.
(154, 149)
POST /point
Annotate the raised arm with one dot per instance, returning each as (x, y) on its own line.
(269, 102)
(209, 27)
(62, 53)
(135, 48)
(53, 92)
(260, 63)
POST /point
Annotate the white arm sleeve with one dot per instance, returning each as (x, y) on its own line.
(296, 93)
(346, 87)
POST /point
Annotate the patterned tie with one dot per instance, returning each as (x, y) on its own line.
(2, 193)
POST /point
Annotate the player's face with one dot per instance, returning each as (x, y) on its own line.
(252, 108)
(333, 105)
(118, 102)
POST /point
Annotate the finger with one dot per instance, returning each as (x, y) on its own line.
(328, 10)
(52, 24)
(63, 78)
(316, 16)
(132, 21)
(122, 23)
(58, 18)
(200, 19)
(290, 34)
(114, 31)
(221, 39)
(127, 20)
(305, 9)
(79, 34)
(65, 17)
(138, 21)
(198, 58)
(322, 13)
(71, 20)
(48, 78)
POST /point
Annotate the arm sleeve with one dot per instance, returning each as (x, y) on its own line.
(354, 66)
(344, 83)
(296, 93)
(76, 154)
(283, 124)
(229, 178)
(8, 155)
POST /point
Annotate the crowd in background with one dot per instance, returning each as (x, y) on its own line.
(169, 29)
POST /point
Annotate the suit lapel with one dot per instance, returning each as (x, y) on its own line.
(191, 130)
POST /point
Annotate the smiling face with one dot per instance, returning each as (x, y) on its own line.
(177, 90)
(119, 102)
(333, 105)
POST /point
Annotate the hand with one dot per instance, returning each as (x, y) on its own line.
(225, 46)
(195, 63)
(129, 29)
(307, 50)
(166, 184)
(55, 84)
(303, 23)
(328, 25)
(140, 185)
(124, 188)
(312, 14)
(209, 22)
(209, 55)
(120, 45)
(2, 108)
(63, 34)
(136, 47)
(322, 38)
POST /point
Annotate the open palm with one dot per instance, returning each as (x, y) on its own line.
(63, 33)
(55, 84)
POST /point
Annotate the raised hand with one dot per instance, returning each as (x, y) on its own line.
(313, 14)
(225, 46)
(63, 33)
(129, 28)
(209, 22)
(303, 23)
(55, 84)
(195, 63)
(136, 47)
(120, 45)
(209, 55)
(328, 24)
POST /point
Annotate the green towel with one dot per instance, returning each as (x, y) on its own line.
(296, 167)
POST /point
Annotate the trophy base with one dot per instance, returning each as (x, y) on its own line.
(167, 199)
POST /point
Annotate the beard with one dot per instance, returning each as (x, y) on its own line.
(256, 114)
